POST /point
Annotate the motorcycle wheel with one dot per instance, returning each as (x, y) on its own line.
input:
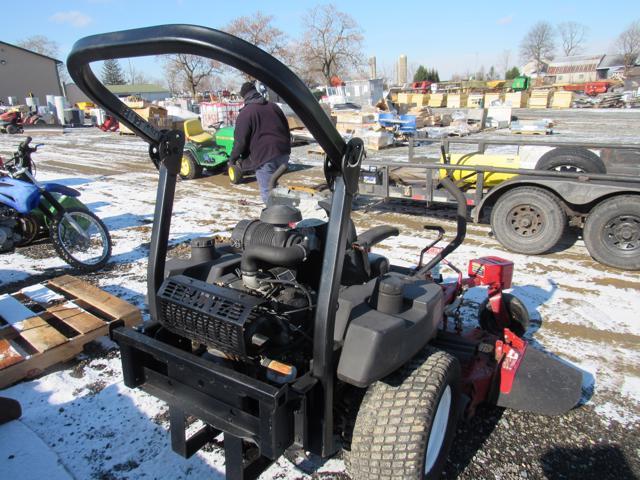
(81, 239)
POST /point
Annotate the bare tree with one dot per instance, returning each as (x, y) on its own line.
(45, 46)
(572, 36)
(332, 42)
(628, 44)
(538, 44)
(259, 30)
(505, 61)
(191, 69)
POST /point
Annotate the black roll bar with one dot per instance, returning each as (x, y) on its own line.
(341, 168)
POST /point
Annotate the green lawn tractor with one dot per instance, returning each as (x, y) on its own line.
(203, 150)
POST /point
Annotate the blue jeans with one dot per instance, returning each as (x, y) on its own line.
(264, 173)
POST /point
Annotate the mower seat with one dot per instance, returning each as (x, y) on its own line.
(195, 133)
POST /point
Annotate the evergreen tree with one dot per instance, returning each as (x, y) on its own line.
(432, 75)
(112, 73)
(420, 75)
(512, 73)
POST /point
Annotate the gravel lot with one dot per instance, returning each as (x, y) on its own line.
(581, 310)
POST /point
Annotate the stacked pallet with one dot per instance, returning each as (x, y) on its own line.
(457, 100)
(49, 323)
(437, 100)
(491, 97)
(475, 100)
(516, 99)
(539, 99)
(562, 99)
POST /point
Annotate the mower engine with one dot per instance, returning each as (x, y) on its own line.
(250, 299)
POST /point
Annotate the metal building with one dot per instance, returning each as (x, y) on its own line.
(575, 69)
(23, 72)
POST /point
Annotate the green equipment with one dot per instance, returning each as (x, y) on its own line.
(520, 83)
(203, 150)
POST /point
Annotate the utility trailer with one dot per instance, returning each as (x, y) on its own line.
(529, 209)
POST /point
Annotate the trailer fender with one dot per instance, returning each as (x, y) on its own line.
(581, 195)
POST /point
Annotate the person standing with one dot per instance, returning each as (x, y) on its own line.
(261, 139)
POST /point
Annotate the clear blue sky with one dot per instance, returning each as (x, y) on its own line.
(452, 36)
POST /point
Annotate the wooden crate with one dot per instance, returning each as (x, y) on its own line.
(153, 114)
(516, 99)
(474, 100)
(539, 99)
(50, 322)
(457, 100)
(489, 98)
(405, 98)
(420, 99)
(437, 100)
(562, 99)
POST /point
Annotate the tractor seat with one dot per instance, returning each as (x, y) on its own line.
(194, 132)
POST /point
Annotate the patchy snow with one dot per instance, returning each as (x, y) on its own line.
(90, 425)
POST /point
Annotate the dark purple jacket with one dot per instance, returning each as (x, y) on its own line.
(261, 133)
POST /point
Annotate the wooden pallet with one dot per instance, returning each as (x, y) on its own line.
(50, 322)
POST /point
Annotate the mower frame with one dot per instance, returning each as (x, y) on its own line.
(341, 169)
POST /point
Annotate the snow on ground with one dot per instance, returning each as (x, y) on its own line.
(82, 422)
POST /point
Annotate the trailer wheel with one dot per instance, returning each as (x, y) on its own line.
(518, 316)
(528, 220)
(406, 422)
(189, 168)
(612, 232)
(568, 159)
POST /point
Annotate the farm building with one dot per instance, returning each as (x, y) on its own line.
(574, 69)
(23, 72)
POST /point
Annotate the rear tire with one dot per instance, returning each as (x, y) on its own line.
(406, 422)
(612, 232)
(29, 229)
(528, 220)
(235, 174)
(12, 129)
(568, 159)
(72, 248)
(189, 168)
(516, 310)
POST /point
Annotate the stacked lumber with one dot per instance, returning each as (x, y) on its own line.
(437, 100)
(562, 99)
(475, 100)
(516, 99)
(426, 118)
(491, 97)
(353, 122)
(50, 322)
(155, 115)
(457, 100)
(539, 99)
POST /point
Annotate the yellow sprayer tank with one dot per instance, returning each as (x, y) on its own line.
(477, 159)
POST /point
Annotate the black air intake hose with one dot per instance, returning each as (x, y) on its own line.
(276, 256)
(253, 233)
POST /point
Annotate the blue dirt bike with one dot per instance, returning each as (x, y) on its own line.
(29, 207)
